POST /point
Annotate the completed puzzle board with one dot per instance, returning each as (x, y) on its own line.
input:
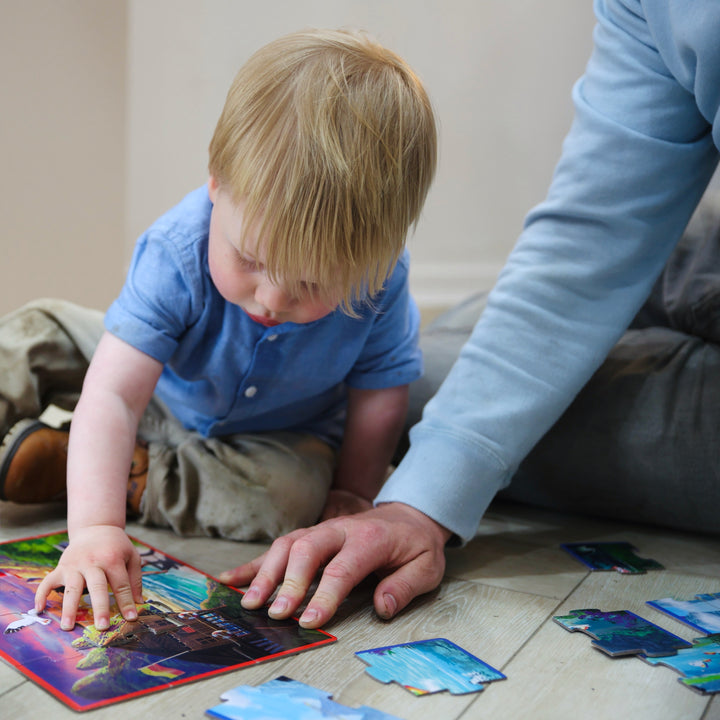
(190, 627)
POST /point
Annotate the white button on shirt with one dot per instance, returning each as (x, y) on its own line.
(272, 338)
(250, 391)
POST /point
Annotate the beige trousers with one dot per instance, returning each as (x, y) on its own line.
(240, 487)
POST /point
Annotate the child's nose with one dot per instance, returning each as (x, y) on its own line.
(272, 297)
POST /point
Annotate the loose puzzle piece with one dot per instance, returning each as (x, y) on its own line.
(618, 556)
(287, 699)
(700, 664)
(621, 632)
(190, 626)
(701, 613)
(429, 666)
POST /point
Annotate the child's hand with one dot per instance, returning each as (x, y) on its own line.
(96, 556)
(344, 502)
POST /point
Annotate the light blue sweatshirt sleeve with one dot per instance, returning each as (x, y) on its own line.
(634, 165)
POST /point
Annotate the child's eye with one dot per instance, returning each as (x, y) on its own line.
(248, 263)
(310, 287)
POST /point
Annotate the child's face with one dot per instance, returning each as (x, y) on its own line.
(238, 272)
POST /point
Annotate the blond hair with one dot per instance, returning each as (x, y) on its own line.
(329, 139)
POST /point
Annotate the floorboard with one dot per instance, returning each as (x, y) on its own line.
(497, 601)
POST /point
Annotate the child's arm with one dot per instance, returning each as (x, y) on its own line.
(374, 423)
(117, 388)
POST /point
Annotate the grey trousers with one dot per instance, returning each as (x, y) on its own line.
(641, 441)
(241, 487)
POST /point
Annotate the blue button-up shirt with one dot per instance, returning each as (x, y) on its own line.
(225, 373)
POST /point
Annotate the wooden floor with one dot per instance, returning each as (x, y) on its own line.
(497, 601)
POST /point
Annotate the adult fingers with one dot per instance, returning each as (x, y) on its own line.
(306, 555)
(365, 548)
(263, 584)
(265, 573)
(395, 591)
(242, 574)
(395, 540)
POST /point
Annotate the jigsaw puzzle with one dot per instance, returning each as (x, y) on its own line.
(287, 699)
(699, 664)
(701, 613)
(429, 666)
(622, 633)
(618, 556)
(190, 627)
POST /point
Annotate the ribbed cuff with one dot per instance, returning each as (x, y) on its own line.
(448, 478)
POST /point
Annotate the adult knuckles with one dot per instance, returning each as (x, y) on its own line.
(283, 545)
(339, 570)
(370, 533)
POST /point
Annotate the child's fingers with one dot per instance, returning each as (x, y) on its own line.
(97, 585)
(123, 591)
(47, 584)
(74, 586)
(135, 573)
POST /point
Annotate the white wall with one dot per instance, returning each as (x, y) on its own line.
(499, 73)
(108, 107)
(62, 150)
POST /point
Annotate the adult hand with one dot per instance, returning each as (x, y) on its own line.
(344, 502)
(95, 557)
(403, 545)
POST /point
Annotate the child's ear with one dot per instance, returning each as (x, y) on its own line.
(213, 187)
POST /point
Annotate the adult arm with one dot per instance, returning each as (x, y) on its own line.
(117, 388)
(633, 168)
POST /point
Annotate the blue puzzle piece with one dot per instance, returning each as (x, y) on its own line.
(621, 632)
(618, 556)
(286, 699)
(429, 666)
(699, 664)
(701, 613)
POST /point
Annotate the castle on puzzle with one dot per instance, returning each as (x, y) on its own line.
(214, 633)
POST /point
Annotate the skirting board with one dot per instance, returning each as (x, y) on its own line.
(446, 284)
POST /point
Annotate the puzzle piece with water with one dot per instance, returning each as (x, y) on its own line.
(621, 632)
(699, 664)
(701, 613)
(429, 666)
(287, 699)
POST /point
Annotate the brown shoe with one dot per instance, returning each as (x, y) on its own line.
(137, 479)
(33, 463)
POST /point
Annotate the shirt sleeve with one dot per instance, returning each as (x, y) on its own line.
(634, 165)
(391, 355)
(155, 304)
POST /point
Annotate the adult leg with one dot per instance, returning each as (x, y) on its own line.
(640, 441)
